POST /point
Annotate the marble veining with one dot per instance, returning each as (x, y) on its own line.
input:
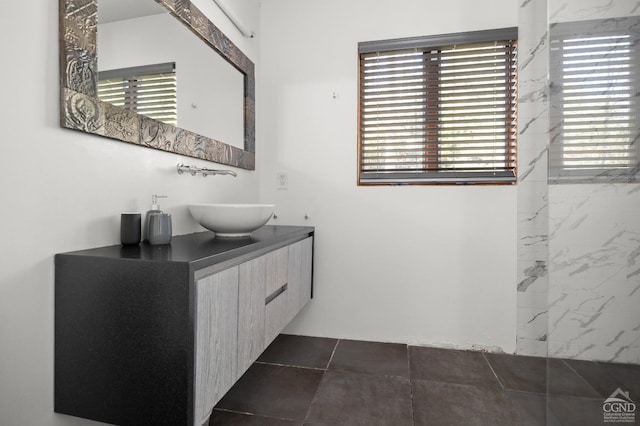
(534, 162)
(538, 49)
(593, 272)
(578, 10)
(532, 280)
(523, 128)
(539, 269)
(533, 323)
(541, 210)
(537, 94)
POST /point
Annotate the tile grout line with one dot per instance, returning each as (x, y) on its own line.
(413, 411)
(226, 410)
(584, 380)
(335, 347)
(315, 394)
(495, 374)
(255, 415)
(275, 364)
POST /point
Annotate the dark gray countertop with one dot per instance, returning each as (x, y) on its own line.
(201, 249)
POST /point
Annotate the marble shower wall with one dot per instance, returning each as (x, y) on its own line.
(594, 246)
(533, 136)
(594, 272)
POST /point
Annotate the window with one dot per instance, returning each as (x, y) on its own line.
(594, 100)
(438, 109)
(149, 90)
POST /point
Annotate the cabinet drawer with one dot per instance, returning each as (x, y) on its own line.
(277, 265)
(275, 314)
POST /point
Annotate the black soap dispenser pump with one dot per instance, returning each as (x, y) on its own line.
(155, 208)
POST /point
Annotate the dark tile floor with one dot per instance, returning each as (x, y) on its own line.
(302, 380)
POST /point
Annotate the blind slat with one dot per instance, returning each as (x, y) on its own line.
(151, 91)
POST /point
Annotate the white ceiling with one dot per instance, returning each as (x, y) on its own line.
(116, 10)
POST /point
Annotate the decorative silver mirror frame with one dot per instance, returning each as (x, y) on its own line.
(80, 108)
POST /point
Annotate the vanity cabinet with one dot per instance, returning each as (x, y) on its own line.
(264, 294)
(158, 334)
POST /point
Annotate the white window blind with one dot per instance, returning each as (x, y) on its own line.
(439, 109)
(149, 90)
(594, 91)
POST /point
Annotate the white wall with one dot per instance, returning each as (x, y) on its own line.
(63, 190)
(426, 265)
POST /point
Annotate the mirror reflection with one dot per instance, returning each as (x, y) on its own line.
(82, 110)
(152, 64)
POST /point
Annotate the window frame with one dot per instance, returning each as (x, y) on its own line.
(429, 176)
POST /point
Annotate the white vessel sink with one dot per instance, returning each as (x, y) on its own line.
(232, 220)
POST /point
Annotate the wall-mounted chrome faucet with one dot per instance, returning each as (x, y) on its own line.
(205, 172)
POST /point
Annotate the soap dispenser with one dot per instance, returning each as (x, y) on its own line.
(157, 225)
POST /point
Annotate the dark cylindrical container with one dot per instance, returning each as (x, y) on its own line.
(159, 231)
(130, 228)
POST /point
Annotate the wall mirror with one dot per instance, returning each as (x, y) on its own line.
(81, 109)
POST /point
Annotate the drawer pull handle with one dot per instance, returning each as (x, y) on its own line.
(275, 294)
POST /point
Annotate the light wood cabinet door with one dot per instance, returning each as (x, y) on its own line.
(251, 311)
(299, 277)
(306, 272)
(293, 281)
(216, 365)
